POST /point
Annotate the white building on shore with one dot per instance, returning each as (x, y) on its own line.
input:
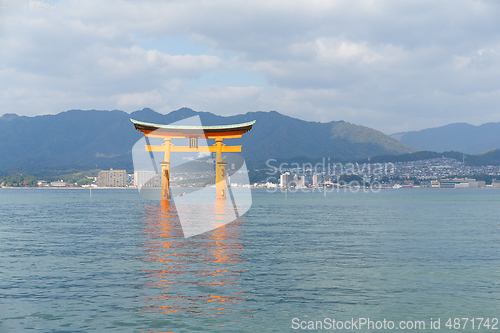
(112, 178)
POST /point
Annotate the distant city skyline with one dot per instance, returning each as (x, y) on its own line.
(391, 66)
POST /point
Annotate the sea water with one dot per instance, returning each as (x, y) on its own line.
(71, 261)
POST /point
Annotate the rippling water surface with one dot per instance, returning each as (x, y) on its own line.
(116, 262)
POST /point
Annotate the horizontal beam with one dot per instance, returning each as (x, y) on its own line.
(205, 149)
(200, 149)
(226, 136)
(156, 148)
(169, 136)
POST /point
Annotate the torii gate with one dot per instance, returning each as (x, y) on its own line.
(193, 133)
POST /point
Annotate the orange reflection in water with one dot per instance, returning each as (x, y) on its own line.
(198, 275)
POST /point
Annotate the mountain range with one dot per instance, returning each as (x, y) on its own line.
(103, 139)
(460, 137)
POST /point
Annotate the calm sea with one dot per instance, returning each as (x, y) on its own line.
(116, 262)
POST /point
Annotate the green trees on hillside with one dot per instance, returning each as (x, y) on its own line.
(19, 181)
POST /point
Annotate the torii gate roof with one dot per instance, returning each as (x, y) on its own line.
(181, 131)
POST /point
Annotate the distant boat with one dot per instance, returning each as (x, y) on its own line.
(397, 186)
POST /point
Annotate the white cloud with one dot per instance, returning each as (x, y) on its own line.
(226, 100)
(138, 100)
(134, 61)
(392, 65)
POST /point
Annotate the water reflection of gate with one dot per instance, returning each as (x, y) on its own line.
(199, 275)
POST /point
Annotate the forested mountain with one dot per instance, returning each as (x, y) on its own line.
(103, 139)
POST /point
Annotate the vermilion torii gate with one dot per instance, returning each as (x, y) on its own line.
(193, 133)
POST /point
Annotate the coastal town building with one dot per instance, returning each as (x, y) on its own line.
(58, 183)
(148, 179)
(462, 183)
(112, 178)
(286, 180)
(42, 183)
(315, 180)
(302, 181)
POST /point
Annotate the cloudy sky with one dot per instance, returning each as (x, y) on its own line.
(390, 65)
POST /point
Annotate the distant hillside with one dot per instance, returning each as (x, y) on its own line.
(72, 139)
(103, 139)
(491, 157)
(461, 137)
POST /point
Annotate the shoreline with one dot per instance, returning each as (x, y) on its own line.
(263, 188)
(69, 188)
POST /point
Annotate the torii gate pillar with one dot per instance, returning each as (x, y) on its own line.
(165, 172)
(220, 171)
(165, 180)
